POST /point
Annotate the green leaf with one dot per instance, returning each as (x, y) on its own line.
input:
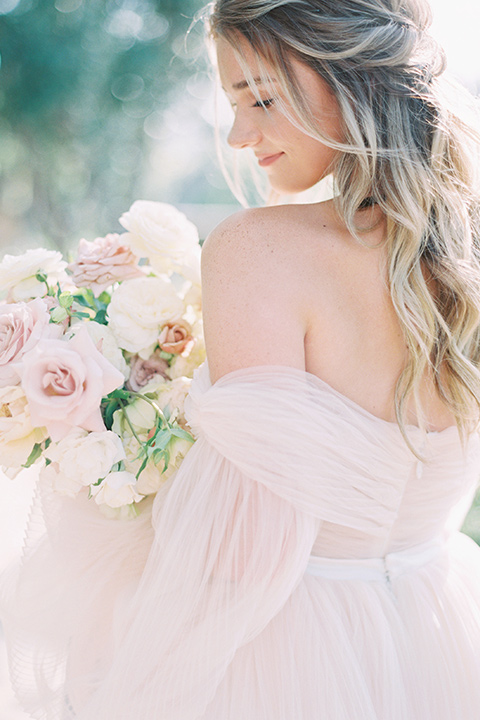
(119, 394)
(101, 317)
(85, 297)
(108, 412)
(80, 314)
(161, 439)
(161, 455)
(34, 455)
(179, 432)
(81, 300)
(142, 466)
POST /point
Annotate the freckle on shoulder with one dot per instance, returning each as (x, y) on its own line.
(244, 230)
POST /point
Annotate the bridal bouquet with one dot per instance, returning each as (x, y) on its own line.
(96, 359)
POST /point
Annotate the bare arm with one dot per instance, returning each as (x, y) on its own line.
(253, 305)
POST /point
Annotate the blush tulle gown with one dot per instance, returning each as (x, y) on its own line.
(301, 565)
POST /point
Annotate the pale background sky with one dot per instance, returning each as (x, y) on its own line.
(457, 27)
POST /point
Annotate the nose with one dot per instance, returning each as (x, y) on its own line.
(244, 133)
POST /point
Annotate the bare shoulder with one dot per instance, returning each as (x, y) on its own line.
(269, 231)
(255, 277)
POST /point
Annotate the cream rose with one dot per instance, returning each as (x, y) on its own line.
(138, 309)
(152, 477)
(22, 325)
(116, 490)
(185, 366)
(102, 262)
(163, 234)
(17, 434)
(64, 381)
(175, 336)
(18, 273)
(82, 458)
(170, 397)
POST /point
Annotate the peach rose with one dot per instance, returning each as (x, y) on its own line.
(21, 327)
(175, 337)
(103, 262)
(142, 371)
(64, 382)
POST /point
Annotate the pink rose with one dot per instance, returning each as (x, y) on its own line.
(175, 336)
(64, 382)
(22, 325)
(102, 262)
(142, 371)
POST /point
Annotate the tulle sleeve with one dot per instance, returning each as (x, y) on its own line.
(233, 531)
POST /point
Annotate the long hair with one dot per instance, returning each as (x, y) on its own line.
(411, 145)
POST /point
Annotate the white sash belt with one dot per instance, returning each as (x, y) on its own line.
(381, 568)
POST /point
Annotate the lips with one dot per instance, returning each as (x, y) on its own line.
(265, 160)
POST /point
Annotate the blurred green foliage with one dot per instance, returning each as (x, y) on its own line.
(471, 526)
(86, 88)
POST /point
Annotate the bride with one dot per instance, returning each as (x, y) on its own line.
(305, 562)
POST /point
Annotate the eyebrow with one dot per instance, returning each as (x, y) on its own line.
(242, 84)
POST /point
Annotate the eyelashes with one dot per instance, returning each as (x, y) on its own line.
(264, 103)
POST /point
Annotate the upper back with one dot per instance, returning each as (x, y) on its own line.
(289, 285)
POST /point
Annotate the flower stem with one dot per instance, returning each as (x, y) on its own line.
(134, 432)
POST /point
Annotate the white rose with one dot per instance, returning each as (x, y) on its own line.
(185, 365)
(105, 342)
(17, 273)
(137, 311)
(170, 396)
(163, 234)
(17, 434)
(118, 489)
(82, 458)
(193, 297)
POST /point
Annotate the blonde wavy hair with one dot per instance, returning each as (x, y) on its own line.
(411, 146)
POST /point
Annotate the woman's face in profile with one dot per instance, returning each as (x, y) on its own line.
(292, 159)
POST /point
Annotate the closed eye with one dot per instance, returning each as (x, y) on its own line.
(264, 103)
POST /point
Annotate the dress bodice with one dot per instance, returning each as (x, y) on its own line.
(351, 469)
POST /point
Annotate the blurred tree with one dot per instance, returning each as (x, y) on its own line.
(82, 83)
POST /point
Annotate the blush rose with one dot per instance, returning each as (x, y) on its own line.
(102, 262)
(22, 325)
(64, 382)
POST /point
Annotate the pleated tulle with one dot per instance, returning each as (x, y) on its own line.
(210, 606)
